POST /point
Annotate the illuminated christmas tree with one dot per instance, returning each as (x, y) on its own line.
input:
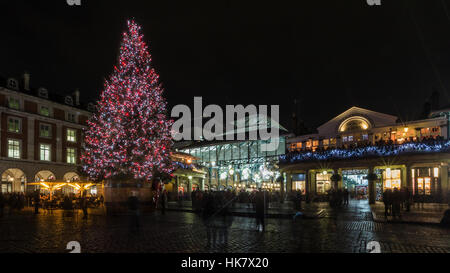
(129, 135)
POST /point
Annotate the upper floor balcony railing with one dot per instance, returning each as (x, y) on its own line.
(380, 150)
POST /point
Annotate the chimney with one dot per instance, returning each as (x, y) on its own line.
(26, 81)
(76, 95)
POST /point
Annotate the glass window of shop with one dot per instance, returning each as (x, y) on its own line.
(299, 183)
(425, 181)
(323, 182)
(392, 179)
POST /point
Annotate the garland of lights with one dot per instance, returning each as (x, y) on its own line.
(130, 132)
(335, 154)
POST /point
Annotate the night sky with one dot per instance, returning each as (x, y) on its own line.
(330, 55)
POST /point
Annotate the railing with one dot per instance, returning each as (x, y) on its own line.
(432, 146)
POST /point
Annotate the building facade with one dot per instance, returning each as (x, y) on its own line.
(41, 135)
(241, 165)
(359, 142)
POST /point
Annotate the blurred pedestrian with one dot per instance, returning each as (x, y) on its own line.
(260, 205)
(133, 206)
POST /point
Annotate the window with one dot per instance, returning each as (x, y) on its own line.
(71, 156)
(44, 111)
(14, 125)
(71, 135)
(43, 93)
(392, 179)
(14, 103)
(323, 182)
(350, 138)
(345, 139)
(365, 137)
(71, 117)
(45, 150)
(13, 84)
(45, 130)
(14, 148)
(68, 100)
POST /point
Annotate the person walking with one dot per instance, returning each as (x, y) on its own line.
(346, 197)
(396, 200)
(163, 202)
(37, 201)
(387, 202)
(84, 206)
(208, 217)
(133, 206)
(260, 210)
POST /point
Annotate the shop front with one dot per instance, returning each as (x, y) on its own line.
(426, 186)
(323, 182)
(299, 183)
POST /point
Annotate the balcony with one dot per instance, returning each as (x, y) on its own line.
(372, 151)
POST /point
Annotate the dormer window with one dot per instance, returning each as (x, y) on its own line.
(69, 100)
(91, 107)
(43, 93)
(13, 84)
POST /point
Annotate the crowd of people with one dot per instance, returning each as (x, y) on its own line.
(16, 202)
(366, 149)
(396, 200)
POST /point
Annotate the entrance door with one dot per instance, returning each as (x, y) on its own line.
(355, 181)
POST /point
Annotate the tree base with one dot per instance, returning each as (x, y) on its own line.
(117, 194)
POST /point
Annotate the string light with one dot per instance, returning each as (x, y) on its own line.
(130, 132)
(370, 151)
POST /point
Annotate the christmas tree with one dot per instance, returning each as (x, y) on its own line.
(129, 135)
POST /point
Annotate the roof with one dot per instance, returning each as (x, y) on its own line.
(52, 96)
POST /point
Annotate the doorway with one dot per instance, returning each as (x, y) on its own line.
(355, 181)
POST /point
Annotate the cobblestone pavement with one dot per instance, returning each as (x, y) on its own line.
(347, 230)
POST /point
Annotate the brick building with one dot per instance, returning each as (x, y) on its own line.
(41, 134)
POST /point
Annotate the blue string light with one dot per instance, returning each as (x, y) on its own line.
(369, 151)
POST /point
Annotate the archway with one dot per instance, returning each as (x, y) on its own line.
(13, 180)
(71, 177)
(44, 176)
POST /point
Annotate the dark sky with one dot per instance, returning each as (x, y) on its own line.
(331, 55)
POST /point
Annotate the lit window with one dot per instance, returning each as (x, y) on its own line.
(14, 125)
(71, 135)
(14, 149)
(14, 103)
(45, 111)
(365, 137)
(71, 156)
(45, 130)
(350, 138)
(345, 139)
(45, 150)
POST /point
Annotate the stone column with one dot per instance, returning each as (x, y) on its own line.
(288, 183)
(372, 187)
(59, 147)
(445, 183)
(409, 181)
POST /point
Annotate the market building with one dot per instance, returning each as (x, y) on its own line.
(41, 138)
(359, 143)
(239, 164)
